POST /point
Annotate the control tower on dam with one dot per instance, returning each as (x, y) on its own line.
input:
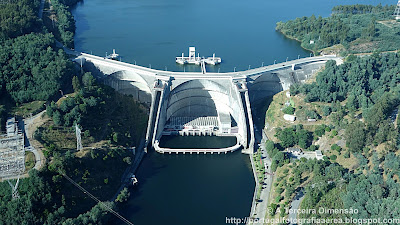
(194, 103)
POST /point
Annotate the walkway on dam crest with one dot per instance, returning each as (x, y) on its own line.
(198, 75)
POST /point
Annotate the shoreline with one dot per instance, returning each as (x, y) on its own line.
(295, 39)
(131, 170)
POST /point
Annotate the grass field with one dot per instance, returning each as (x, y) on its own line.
(26, 109)
(29, 160)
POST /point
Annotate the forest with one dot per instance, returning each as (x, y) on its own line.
(366, 84)
(375, 194)
(19, 18)
(364, 94)
(32, 68)
(65, 22)
(357, 28)
(118, 118)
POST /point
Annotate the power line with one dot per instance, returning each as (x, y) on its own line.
(15, 194)
(109, 209)
(397, 11)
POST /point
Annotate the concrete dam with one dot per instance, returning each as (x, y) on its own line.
(201, 103)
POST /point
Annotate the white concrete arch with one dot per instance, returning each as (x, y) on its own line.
(134, 79)
(198, 98)
(200, 84)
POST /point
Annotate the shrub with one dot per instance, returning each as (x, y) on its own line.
(289, 110)
(326, 111)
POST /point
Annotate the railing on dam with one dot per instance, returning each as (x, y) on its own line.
(199, 75)
(198, 151)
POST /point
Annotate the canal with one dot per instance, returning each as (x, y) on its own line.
(193, 189)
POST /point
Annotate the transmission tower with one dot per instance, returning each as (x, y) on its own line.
(397, 11)
(78, 138)
(15, 194)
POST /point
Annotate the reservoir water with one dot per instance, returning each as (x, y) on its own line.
(193, 189)
(153, 32)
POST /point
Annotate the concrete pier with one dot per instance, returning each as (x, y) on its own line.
(192, 59)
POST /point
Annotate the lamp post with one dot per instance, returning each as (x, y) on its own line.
(274, 61)
(249, 67)
(234, 69)
(262, 64)
(287, 59)
(298, 56)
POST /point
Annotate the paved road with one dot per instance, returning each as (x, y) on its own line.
(295, 205)
(38, 161)
(131, 170)
(29, 130)
(40, 15)
(67, 50)
(262, 206)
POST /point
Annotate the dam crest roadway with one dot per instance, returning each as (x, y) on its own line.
(201, 103)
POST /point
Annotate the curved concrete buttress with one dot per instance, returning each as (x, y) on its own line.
(130, 83)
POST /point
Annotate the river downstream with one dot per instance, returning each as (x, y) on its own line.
(193, 189)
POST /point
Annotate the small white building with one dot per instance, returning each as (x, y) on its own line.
(290, 118)
(311, 42)
(311, 120)
(288, 94)
(295, 151)
(318, 155)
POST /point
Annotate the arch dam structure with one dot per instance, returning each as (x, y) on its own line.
(201, 103)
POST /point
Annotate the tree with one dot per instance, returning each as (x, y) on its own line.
(303, 137)
(269, 145)
(2, 116)
(123, 196)
(288, 110)
(76, 84)
(326, 110)
(272, 209)
(57, 118)
(88, 80)
(320, 130)
(355, 136)
(287, 137)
